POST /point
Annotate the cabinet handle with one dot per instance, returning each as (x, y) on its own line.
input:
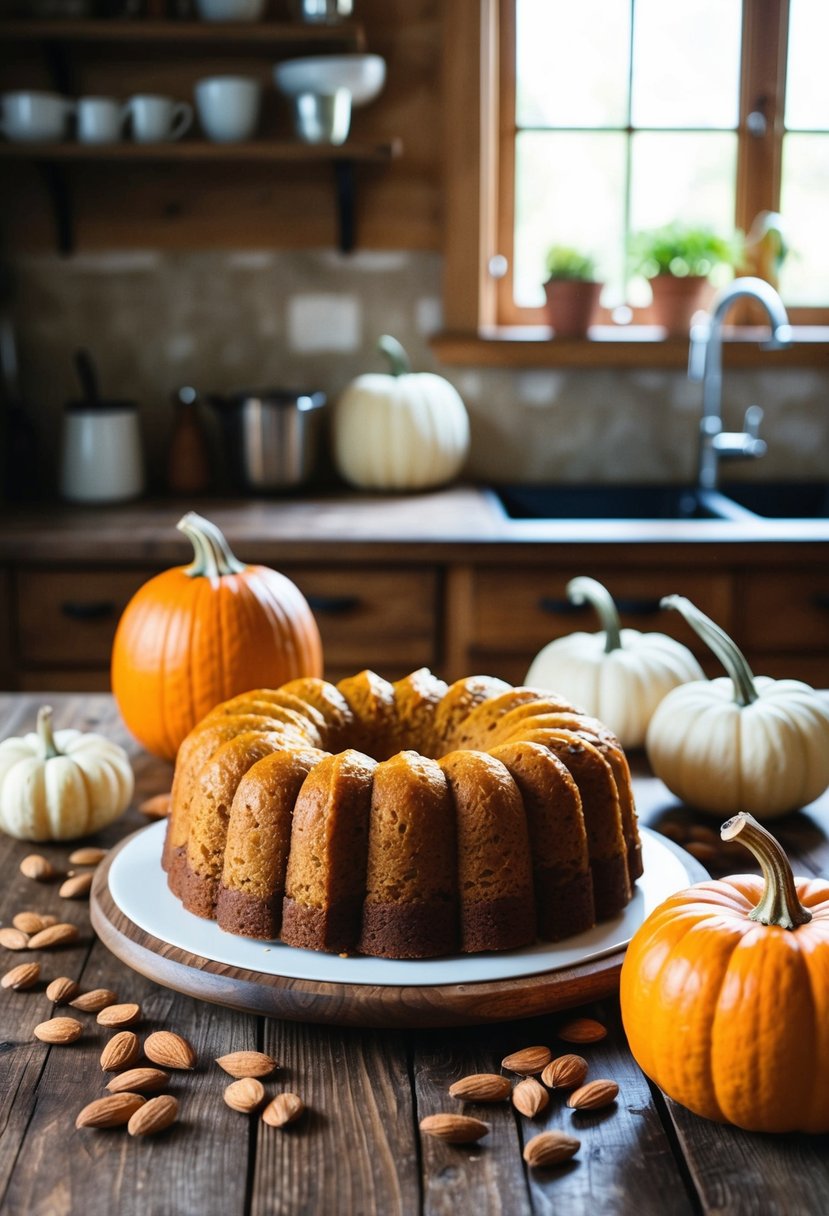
(93, 610)
(647, 607)
(333, 605)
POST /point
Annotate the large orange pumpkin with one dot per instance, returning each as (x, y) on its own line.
(725, 994)
(199, 634)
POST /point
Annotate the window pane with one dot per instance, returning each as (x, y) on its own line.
(683, 176)
(570, 190)
(805, 272)
(572, 62)
(807, 82)
(686, 63)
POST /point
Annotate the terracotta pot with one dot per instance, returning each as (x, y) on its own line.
(675, 300)
(571, 305)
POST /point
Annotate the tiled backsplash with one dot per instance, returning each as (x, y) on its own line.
(230, 321)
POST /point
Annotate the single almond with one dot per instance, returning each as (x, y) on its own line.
(528, 1062)
(245, 1095)
(593, 1095)
(25, 975)
(138, 1081)
(170, 1050)
(37, 867)
(94, 1001)
(61, 934)
(13, 939)
(582, 1030)
(247, 1064)
(48, 919)
(481, 1087)
(112, 1111)
(530, 1097)
(565, 1072)
(154, 1116)
(284, 1108)
(88, 856)
(119, 1015)
(76, 887)
(122, 1050)
(62, 990)
(157, 807)
(454, 1129)
(58, 1030)
(550, 1148)
(29, 922)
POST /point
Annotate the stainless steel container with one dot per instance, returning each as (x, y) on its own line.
(271, 436)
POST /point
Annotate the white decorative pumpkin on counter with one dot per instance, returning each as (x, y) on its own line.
(618, 675)
(403, 431)
(63, 784)
(740, 742)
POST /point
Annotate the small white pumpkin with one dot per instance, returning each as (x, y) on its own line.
(404, 431)
(63, 784)
(740, 742)
(618, 675)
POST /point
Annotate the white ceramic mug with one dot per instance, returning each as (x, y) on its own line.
(157, 119)
(228, 107)
(32, 116)
(230, 10)
(101, 458)
(100, 120)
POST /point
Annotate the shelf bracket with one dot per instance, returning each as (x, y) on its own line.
(345, 178)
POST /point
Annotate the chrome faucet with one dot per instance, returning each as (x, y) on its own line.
(705, 364)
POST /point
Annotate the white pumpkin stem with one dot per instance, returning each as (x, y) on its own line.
(590, 591)
(395, 353)
(44, 730)
(212, 553)
(779, 904)
(720, 644)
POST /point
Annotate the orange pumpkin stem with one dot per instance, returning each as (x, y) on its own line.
(212, 554)
(779, 904)
(44, 729)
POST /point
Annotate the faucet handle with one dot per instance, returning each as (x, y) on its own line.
(752, 420)
(700, 333)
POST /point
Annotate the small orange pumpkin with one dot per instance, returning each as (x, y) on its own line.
(199, 634)
(725, 994)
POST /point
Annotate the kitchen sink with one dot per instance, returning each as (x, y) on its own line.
(782, 499)
(649, 502)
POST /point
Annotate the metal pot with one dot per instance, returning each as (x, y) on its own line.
(271, 436)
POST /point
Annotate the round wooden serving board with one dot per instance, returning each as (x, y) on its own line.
(351, 1004)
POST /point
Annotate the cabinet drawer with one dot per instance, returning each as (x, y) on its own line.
(517, 610)
(785, 611)
(69, 616)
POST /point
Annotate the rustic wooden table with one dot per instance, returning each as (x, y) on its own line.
(357, 1151)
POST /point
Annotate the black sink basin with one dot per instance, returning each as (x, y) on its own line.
(615, 502)
(782, 499)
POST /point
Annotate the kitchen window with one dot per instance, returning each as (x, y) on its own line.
(583, 124)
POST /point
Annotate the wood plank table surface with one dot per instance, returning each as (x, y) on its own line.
(357, 1150)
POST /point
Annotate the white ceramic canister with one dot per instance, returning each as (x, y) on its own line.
(101, 455)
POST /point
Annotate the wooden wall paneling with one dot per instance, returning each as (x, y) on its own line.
(6, 640)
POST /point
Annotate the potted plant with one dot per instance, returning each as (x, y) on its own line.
(678, 260)
(572, 291)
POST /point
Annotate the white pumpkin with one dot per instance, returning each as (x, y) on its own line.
(57, 786)
(739, 742)
(618, 675)
(404, 431)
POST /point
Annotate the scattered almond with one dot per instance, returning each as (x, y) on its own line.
(37, 867)
(593, 1095)
(138, 1081)
(29, 922)
(60, 934)
(112, 1111)
(58, 1031)
(62, 990)
(284, 1108)
(247, 1064)
(550, 1148)
(94, 1001)
(76, 887)
(119, 1015)
(154, 1116)
(481, 1087)
(122, 1050)
(454, 1129)
(565, 1072)
(529, 1061)
(245, 1095)
(529, 1097)
(25, 975)
(170, 1050)
(582, 1030)
(157, 807)
(13, 939)
(88, 856)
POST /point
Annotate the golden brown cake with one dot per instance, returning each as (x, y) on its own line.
(405, 820)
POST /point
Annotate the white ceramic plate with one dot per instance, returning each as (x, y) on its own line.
(138, 886)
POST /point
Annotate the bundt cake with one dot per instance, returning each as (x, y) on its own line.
(405, 820)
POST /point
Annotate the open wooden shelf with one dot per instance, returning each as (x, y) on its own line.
(203, 150)
(185, 33)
